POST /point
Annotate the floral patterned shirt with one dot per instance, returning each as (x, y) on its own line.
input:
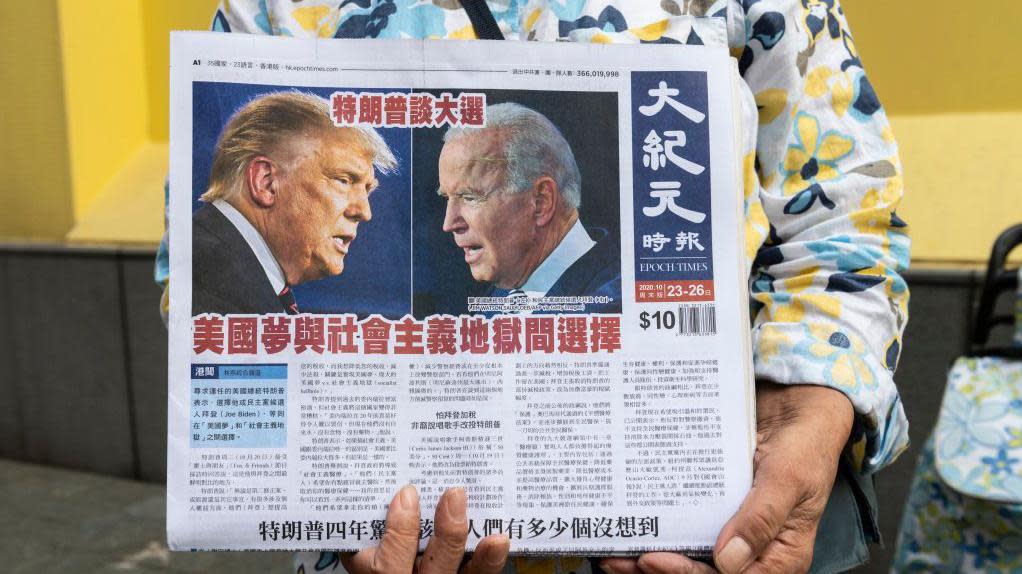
(822, 175)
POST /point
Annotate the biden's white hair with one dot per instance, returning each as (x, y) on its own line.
(534, 148)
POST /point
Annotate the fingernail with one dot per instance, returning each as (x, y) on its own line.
(735, 555)
(456, 503)
(406, 499)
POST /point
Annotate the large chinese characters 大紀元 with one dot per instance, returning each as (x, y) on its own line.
(657, 152)
(672, 204)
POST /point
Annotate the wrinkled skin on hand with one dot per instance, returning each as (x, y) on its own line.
(445, 552)
(801, 432)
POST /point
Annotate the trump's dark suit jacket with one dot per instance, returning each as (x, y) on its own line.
(226, 275)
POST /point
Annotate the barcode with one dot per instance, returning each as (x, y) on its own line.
(697, 320)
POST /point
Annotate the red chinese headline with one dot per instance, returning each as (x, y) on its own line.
(437, 335)
(416, 110)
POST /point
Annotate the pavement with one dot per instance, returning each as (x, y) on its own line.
(54, 520)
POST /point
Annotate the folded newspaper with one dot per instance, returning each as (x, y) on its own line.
(511, 267)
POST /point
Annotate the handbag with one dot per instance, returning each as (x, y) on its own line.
(978, 436)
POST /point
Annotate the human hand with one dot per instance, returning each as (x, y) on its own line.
(801, 431)
(445, 552)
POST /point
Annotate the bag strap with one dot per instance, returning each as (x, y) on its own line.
(998, 279)
(483, 22)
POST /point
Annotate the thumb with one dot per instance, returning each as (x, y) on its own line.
(400, 543)
(756, 524)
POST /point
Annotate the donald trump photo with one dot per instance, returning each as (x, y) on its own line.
(287, 192)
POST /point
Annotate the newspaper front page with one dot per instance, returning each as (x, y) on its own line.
(511, 267)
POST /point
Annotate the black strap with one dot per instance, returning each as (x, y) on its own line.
(998, 280)
(482, 19)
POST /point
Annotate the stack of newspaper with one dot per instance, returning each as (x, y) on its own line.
(515, 268)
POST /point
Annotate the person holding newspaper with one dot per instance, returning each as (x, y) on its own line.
(822, 182)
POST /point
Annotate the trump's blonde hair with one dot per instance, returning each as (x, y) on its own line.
(262, 125)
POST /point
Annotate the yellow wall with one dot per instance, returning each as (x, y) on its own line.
(116, 62)
(940, 56)
(950, 77)
(104, 89)
(963, 182)
(35, 190)
(162, 16)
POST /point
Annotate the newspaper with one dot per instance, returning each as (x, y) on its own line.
(512, 267)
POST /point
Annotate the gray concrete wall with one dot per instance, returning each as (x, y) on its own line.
(83, 357)
(83, 377)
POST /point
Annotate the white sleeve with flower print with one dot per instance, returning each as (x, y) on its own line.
(830, 302)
